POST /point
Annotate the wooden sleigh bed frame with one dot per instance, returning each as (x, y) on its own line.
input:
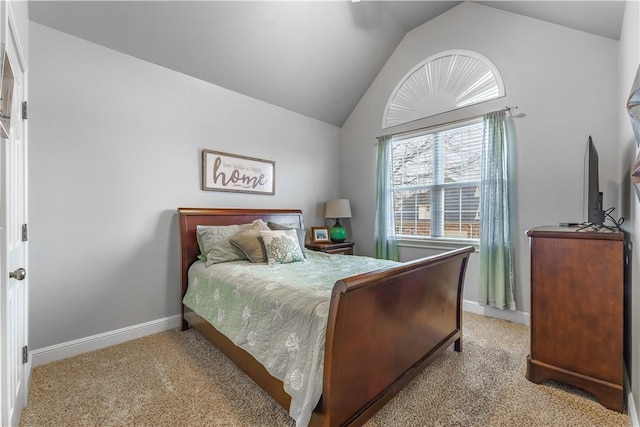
(384, 327)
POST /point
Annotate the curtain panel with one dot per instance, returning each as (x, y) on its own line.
(384, 235)
(496, 249)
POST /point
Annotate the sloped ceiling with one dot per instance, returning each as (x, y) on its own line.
(313, 58)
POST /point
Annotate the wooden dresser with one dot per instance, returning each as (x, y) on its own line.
(577, 310)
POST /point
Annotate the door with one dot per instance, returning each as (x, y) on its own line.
(14, 364)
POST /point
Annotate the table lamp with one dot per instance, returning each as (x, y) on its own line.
(338, 208)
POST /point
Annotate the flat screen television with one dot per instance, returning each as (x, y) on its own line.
(594, 214)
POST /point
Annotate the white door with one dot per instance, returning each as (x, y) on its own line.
(14, 364)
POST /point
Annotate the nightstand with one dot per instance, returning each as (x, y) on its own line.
(344, 248)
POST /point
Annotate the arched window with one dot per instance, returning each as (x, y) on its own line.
(447, 81)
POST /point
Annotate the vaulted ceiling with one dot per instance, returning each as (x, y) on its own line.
(316, 58)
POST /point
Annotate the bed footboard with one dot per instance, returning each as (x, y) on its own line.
(384, 328)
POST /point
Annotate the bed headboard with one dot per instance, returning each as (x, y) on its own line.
(192, 217)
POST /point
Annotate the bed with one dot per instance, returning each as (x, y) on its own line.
(383, 327)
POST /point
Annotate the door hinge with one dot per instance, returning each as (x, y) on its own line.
(25, 233)
(24, 110)
(25, 354)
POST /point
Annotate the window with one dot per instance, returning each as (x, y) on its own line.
(436, 182)
(444, 82)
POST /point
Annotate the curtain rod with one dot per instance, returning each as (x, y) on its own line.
(507, 108)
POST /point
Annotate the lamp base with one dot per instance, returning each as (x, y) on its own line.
(337, 233)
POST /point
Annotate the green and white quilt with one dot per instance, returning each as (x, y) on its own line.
(278, 313)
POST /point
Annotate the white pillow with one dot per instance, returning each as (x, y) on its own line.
(281, 246)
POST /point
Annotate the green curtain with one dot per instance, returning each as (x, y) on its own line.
(496, 250)
(384, 235)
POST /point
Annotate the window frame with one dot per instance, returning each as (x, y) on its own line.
(437, 242)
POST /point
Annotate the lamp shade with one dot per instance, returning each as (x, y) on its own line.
(338, 208)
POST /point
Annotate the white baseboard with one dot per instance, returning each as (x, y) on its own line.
(61, 351)
(55, 352)
(631, 411)
(631, 406)
(510, 315)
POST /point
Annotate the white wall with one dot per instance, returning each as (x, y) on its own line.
(564, 81)
(115, 149)
(629, 61)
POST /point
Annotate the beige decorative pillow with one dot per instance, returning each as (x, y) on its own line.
(282, 246)
(250, 243)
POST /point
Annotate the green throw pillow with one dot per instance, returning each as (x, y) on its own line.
(301, 232)
(281, 246)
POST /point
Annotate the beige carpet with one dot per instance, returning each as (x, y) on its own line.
(178, 379)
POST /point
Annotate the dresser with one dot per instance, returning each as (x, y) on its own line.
(577, 310)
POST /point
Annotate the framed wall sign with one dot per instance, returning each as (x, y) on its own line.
(238, 174)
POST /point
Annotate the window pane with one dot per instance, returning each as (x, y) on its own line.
(412, 213)
(462, 207)
(462, 153)
(413, 162)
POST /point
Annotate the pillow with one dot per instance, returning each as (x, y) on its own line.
(214, 242)
(301, 232)
(250, 243)
(282, 246)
